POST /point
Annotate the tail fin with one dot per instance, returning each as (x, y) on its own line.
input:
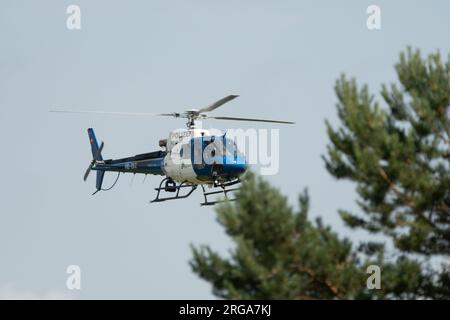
(97, 156)
(99, 181)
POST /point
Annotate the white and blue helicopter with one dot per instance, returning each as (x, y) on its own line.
(188, 158)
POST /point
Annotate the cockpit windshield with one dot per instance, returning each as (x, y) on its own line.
(217, 146)
(230, 147)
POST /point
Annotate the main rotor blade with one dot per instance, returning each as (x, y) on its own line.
(174, 114)
(218, 103)
(249, 119)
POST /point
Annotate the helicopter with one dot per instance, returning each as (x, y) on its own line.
(188, 158)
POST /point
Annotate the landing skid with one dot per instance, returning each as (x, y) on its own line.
(219, 188)
(171, 186)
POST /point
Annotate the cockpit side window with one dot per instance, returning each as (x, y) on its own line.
(197, 153)
(231, 148)
(185, 151)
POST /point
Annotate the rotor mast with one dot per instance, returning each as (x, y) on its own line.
(191, 117)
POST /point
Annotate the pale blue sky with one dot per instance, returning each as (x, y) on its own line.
(282, 57)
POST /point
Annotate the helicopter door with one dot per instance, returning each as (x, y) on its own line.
(186, 172)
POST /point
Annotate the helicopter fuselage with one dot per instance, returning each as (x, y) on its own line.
(191, 155)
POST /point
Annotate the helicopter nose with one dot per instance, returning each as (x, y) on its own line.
(235, 167)
(240, 168)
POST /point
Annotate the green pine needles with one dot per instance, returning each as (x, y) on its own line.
(397, 154)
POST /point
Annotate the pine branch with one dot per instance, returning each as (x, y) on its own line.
(406, 200)
(396, 189)
(444, 124)
(324, 282)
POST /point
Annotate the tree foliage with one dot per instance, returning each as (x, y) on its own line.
(398, 156)
(280, 254)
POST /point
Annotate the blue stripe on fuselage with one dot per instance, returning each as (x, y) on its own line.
(149, 166)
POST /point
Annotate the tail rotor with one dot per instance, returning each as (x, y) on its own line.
(97, 157)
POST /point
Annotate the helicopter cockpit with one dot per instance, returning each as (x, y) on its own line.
(218, 155)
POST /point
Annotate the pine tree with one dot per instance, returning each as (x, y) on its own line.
(280, 254)
(398, 156)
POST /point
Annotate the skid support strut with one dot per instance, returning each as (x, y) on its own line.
(171, 186)
(217, 189)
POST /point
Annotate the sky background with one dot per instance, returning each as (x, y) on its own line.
(281, 57)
